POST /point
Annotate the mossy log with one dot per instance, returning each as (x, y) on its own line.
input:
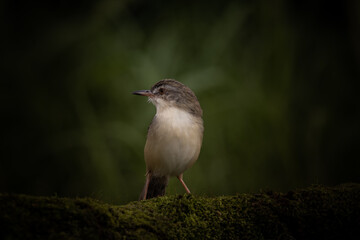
(316, 212)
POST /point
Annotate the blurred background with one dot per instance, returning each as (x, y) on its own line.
(276, 80)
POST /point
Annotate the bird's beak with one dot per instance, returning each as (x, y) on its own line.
(147, 93)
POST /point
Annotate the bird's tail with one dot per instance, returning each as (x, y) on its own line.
(156, 187)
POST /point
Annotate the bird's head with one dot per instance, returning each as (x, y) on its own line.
(171, 93)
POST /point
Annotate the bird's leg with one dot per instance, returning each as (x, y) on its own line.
(148, 175)
(180, 177)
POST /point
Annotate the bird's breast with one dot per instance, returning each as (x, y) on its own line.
(173, 143)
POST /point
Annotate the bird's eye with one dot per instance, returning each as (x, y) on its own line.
(161, 91)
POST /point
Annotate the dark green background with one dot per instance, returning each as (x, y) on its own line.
(277, 81)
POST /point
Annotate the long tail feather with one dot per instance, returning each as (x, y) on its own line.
(156, 188)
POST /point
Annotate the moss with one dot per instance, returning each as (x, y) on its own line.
(316, 212)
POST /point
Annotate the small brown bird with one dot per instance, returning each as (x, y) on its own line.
(174, 136)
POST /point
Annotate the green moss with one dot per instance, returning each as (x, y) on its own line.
(314, 213)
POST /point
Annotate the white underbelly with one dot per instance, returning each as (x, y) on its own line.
(172, 146)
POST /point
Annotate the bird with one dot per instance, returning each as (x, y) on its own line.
(174, 136)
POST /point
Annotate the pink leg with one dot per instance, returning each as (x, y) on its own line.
(180, 177)
(146, 185)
